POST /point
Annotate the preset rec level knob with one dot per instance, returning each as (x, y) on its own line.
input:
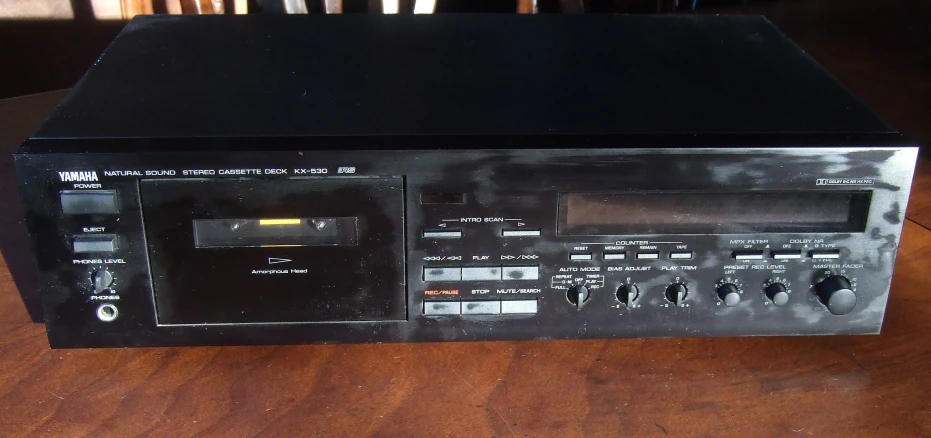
(777, 293)
(578, 295)
(676, 293)
(835, 293)
(627, 293)
(729, 294)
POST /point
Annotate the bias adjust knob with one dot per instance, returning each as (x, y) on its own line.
(729, 294)
(578, 295)
(627, 293)
(676, 293)
(835, 293)
(777, 293)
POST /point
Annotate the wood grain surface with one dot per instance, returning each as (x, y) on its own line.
(919, 205)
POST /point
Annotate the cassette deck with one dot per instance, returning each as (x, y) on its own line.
(235, 180)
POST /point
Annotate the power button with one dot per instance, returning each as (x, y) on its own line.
(89, 202)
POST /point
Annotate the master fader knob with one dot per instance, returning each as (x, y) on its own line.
(836, 294)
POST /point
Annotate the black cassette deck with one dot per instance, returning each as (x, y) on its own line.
(257, 180)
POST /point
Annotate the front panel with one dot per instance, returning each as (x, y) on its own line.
(410, 245)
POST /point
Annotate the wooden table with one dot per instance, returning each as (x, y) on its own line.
(756, 387)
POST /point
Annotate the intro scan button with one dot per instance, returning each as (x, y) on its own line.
(520, 232)
(442, 234)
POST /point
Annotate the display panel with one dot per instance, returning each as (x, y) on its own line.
(582, 214)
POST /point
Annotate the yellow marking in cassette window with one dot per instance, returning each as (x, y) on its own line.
(279, 221)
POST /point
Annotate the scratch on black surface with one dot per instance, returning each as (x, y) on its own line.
(662, 428)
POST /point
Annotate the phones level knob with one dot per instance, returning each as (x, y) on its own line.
(101, 279)
(729, 294)
(836, 294)
(777, 293)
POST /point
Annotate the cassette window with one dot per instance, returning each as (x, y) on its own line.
(269, 232)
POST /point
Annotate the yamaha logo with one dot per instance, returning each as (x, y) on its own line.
(844, 181)
(79, 176)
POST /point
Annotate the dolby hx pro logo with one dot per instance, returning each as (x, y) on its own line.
(844, 181)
